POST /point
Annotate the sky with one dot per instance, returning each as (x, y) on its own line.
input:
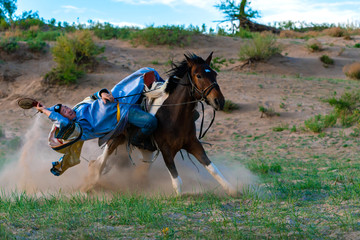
(144, 13)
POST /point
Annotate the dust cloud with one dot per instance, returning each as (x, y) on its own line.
(30, 172)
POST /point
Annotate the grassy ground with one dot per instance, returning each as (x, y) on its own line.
(302, 195)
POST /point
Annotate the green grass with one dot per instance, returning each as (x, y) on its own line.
(315, 196)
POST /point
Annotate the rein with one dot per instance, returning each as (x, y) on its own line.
(203, 93)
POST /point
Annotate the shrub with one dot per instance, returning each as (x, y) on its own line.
(230, 106)
(9, 45)
(346, 107)
(36, 46)
(314, 45)
(317, 123)
(259, 48)
(334, 32)
(357, 45)
(73, 54)
(217, 62)
(290, 34)
(107, 31)
(48, 35)
(326, 59)
(165, 35)
(2, 134)
(4, 24)
(352, 70)
(243, 33)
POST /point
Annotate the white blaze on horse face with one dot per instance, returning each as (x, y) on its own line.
(212, 169)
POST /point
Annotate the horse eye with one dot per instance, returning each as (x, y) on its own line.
(198, 76)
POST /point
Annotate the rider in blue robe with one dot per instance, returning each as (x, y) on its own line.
(100, 117)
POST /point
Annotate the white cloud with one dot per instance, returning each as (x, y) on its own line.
(166, 2)
(69, 8)
(307, 10)
(208, 4)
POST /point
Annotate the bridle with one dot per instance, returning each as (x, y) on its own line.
(203, 93)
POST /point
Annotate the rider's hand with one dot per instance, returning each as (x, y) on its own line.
(40, 107)
(107, 97)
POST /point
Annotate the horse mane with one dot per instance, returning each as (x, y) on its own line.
(179, 71)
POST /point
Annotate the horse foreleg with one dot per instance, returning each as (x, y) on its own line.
(196, 149)
(170, 164)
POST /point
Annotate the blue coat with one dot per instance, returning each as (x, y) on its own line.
(96, 118)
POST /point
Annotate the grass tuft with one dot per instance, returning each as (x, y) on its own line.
(230, 106)
(327, 60)
(314, 45)
(268, 112)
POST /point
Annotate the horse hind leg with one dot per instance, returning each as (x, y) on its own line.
(198, 151)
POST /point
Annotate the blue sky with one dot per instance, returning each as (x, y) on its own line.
(196, 12)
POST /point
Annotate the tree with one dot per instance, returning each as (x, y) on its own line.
(236, 12)
(7, 9)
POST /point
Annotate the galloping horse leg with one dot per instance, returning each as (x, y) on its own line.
(196, 149)
(141, 171)
(96, 167)
(170, 164)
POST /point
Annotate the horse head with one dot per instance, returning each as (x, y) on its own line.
(203, 80)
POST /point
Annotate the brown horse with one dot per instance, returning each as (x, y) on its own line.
(190, 82)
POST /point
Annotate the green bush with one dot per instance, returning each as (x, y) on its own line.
(318, 123)
(259, 48)
(357, 45)
(4, 24)
(48, 35)
(73, 54)
(107, 31)
(326, 59)
(36, 46)
(347, 107)
(165, 35)
(217, 62)
(314, 45)
(244, 33)
(2, 134)
(9, 45)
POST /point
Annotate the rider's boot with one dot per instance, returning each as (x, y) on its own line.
(139, 139)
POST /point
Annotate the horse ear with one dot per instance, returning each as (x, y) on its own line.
(208, 60)
(189, 61)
